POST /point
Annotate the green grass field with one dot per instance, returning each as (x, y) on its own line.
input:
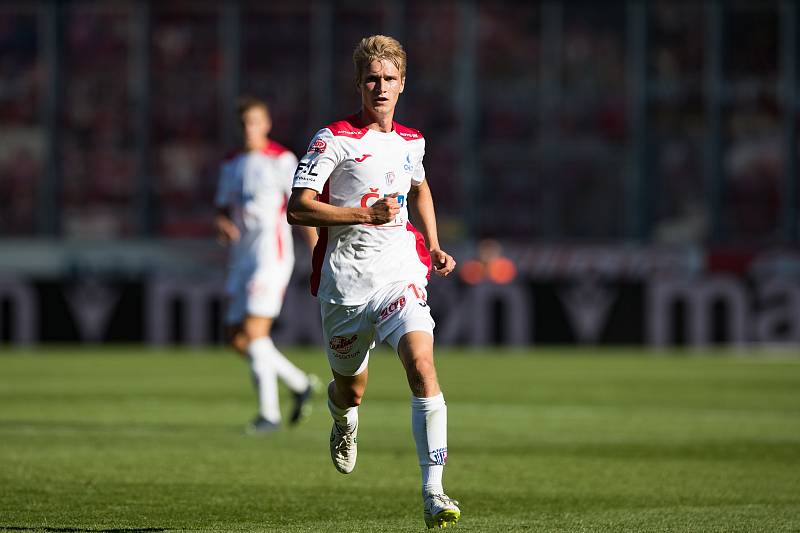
(110, 439)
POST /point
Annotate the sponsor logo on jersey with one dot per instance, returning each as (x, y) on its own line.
(367, 199)
(389, 178)
(438, 456)
(408, 166)
(305, 171)
(343, 345)
(409, 134)
(318, 146)
(393, 307)
(348, 132)
(363, 158)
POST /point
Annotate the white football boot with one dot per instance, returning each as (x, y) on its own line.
(344, 448)
(440, 511)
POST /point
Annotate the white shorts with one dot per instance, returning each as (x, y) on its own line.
(258, 293)
(350, 330)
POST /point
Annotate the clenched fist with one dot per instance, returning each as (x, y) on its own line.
(384, 210)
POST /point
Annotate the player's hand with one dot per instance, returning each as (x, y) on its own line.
(443, 263)
(227, 232)
(384, 210)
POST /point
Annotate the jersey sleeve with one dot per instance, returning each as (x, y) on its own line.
(419, 170)
(318, 163)
(224, 184)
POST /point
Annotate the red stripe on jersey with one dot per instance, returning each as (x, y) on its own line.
(422, 250)
(274, 149)
(409, 134)
(351, 127)
(279, 228)
(318, 257)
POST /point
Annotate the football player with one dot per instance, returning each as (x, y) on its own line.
(254, 185)
(360, 181)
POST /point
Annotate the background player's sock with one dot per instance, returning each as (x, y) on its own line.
(429, 425)
(265, 377)
(295, 379)
(345, 417)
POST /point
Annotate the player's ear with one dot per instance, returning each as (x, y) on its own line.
(402, 83)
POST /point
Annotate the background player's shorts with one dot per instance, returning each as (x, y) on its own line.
(350, 330)
(258, 293)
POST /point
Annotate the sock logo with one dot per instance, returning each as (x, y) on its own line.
(438, 456)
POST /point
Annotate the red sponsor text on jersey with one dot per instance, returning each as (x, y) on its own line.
(349, 127)
(355, 128)
(409, 134)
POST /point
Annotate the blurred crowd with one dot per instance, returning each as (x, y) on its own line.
(552, 135)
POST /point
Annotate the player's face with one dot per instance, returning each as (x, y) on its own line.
(380, 87)
(256, 126)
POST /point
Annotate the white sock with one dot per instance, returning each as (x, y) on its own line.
(429, 426)
(295, 379)
(265, 377)
(347, 417)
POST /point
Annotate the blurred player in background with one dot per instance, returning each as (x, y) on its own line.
(358, 182)
(254, 185)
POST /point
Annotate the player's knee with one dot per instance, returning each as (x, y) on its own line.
(346, 395)
(352, 397)
(424, 367)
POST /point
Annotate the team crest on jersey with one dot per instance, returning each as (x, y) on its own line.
(342, 345)
(389, 178)
(318, 146)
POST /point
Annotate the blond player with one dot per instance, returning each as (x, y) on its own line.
(359, 181)
(254, 186)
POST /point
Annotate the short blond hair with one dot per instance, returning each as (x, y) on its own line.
(247, 102)
(378, 47)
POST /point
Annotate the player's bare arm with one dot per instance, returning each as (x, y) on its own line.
(305, 210)
(420, 205)
(227, 232)
(310, 235)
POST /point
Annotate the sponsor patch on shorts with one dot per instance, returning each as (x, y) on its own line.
(392, 308)
(342, 346)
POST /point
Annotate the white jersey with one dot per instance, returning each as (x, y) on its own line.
(350, 165)
(255, 186)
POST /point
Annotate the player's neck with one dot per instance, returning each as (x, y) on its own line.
(383, 123)
(256, 146)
